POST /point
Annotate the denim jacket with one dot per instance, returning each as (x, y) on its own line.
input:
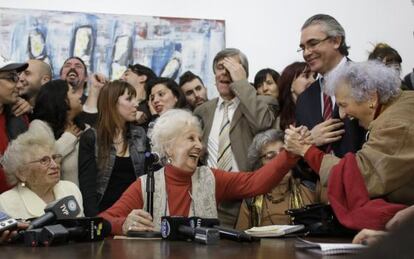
(93, 181)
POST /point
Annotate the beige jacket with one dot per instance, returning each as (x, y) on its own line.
(254, 114)
(386, 160)
(21, 203)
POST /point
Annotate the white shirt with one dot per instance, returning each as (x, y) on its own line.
(340, 64)
(213, 138)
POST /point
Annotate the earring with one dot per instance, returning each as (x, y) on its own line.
(371, 106)
(23, 184)
(169, 160)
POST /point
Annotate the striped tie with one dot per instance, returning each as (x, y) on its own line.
(327, 114)
(224, 159)
(327, 107)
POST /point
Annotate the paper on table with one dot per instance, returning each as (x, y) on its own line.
(273, 230)
(330, 248)
(139, 238)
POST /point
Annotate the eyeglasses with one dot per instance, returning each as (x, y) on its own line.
(46, 160)
(14, 77)
(269, 155)
(312, 44)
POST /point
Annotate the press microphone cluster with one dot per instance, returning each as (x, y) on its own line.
(59, 225)
(64, 208)
(64, 231)
(201, 230)
(194, 228)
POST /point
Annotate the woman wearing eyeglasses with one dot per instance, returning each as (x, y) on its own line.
(33, 166)
(269, 209)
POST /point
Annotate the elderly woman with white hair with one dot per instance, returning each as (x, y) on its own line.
(370, 92)
(291, 193)
(182, 188)
(33, 166)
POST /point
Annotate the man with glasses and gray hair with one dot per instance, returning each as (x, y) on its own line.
(232, 120)
(324, 48)
(10, 125)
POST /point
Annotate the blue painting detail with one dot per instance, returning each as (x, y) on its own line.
(108, 43)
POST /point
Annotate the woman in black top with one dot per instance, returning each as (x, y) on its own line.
(112, 156)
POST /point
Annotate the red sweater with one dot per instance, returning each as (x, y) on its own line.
(348, 195)
(229, 186)
(4, 141)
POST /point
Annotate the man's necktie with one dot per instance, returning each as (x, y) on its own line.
(224, 159)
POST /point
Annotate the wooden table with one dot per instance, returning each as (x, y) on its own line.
(279, 248)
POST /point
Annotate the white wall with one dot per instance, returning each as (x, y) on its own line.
(268, 31)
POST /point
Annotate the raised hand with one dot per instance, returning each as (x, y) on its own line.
(235, 69)
(21, 107)
(327, 132)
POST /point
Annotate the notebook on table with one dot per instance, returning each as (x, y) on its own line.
(274, 230)
(330, 248)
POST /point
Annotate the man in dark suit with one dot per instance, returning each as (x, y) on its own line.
(246, 114)
(324, 49)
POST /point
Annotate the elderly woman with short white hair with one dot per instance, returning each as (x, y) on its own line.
(370, 92)
(33, 166)
(181, 187)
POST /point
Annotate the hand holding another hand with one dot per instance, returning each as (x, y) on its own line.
(297, 140)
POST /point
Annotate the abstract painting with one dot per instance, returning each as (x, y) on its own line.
(108, 43)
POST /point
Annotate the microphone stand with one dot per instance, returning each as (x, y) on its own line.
(150, 190)
(150, 187)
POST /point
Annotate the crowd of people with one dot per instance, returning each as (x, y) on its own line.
(328, 130)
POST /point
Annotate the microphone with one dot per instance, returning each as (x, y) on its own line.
(88, 228)
(63, 208)
(6, 222)
(235, 235)
(152, 158)
(203, 222)
(202, 235)
(183, 228)
(79, 230)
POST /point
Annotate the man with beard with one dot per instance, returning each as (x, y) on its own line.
(32, 78)
(232, 120)
(10, 125)
(193, 88)
(75, 72)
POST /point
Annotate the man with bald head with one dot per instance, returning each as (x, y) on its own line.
(32, 78)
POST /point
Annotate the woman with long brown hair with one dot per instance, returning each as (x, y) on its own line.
(294, 79)
(112, 156)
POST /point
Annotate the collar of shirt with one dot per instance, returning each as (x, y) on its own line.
(321, 77)
(234, 103)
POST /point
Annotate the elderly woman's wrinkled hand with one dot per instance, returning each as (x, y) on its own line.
(138, 220)
(297, 140)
